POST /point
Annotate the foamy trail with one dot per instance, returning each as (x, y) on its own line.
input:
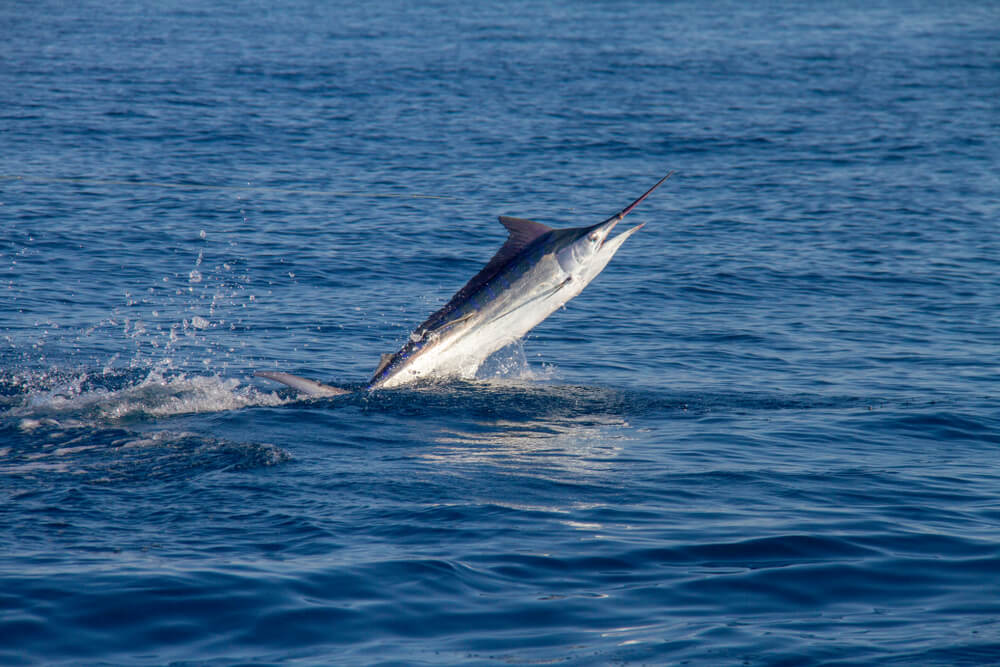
(104, 397)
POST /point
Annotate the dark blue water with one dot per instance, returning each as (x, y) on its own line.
(767, 434)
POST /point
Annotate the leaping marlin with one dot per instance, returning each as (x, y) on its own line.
(533, 274)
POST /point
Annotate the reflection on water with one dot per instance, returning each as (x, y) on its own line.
(542, 446)
(564, 451)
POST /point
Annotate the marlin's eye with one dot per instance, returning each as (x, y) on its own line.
(594, 236)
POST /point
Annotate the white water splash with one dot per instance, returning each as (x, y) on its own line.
(82, 397)
(510, 364)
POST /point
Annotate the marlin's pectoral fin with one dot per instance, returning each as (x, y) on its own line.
(305, 385)
(544, 295)
(458, 320)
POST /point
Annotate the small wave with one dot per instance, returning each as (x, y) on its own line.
(41, 448)
(515, 398)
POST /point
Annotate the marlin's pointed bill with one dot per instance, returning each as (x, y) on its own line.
(628, 209)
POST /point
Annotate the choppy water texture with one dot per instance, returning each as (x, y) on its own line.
(767, 433)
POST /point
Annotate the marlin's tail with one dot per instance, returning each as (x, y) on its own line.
(304, 385)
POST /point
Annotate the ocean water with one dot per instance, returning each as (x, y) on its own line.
(767, 434)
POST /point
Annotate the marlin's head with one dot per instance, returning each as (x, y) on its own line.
(585, 251)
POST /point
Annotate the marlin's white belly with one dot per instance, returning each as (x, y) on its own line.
(462, 349)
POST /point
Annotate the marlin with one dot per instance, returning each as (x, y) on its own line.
(536, 272)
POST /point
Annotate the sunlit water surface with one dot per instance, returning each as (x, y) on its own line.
(767, 433)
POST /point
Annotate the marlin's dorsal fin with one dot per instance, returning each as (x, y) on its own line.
(383, 362)
(521, 234)
(522, 231)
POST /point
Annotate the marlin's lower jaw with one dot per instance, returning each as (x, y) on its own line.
(617, 241)
(609, 226)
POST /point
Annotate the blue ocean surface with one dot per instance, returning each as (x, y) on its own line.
(768, 433)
